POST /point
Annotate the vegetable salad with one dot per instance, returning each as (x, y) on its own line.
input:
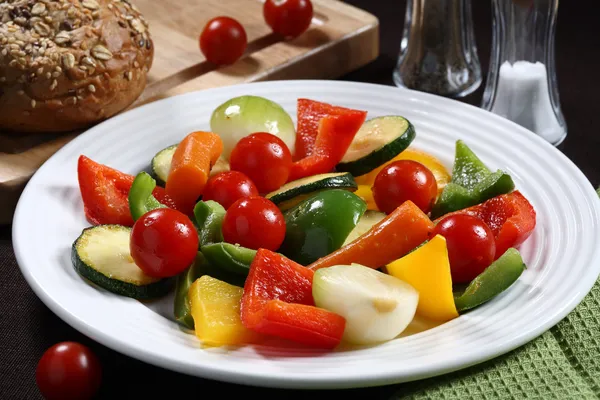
(336, 230)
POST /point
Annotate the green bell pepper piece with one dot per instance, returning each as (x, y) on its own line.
(320, 224)
(495, 279)
(472, 183)
(233, 258)
(468, 169)
(209, 218)
(140, 196)
(183, 282)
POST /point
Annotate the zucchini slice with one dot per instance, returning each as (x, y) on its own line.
(101, 255)
(378, 141)
(161, 164)
(299, 190)
(365, 223)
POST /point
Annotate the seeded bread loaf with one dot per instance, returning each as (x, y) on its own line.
(65, 64)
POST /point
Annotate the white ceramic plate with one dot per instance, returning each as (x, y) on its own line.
(562, 255)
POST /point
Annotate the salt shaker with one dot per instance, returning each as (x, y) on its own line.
(438, 52)
(521, 84)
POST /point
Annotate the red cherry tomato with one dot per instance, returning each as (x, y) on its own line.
(471, 245)
(264, 158)
(164, 242)
(404, 180)
(68, 371)
(288, 18)
(228, 187)
(223, 40)
(255, 223)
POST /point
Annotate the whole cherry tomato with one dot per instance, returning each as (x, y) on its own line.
(264, 158)
(288, 18)
(223, 40)
(471, 245)
(228, 187)
(404, 180)
(254, 222)
(164, 242)
(68, 371)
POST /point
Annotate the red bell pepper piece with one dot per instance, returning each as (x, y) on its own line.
(278, 301)
(105, 191)
(335, 134)
(511, 217)
(310, 113)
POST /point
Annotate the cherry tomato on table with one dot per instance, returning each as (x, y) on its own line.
(223, 40)
(404, 180)
(255, 222)
(264, 158)
(288, 18)
(68, 371)
(164, 242)
(471, 245)
(228, 187)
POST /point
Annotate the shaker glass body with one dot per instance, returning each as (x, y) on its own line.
(521, 83)
(438, 52)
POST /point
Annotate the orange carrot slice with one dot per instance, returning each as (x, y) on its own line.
(190, 168)
(393, 237)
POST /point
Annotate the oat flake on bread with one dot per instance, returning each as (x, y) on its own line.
(67, 64)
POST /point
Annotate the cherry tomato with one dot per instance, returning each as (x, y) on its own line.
(288, 18)
(255, 222)
(68, 371)
(164, 242)
(223, 40)
(228, 187)
(404, 180)
(471, 245)
(264, 158)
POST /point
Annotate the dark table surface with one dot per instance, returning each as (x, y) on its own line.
(27, 327)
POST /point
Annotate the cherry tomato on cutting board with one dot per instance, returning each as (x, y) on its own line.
(288, 18)
(164, 242)
(264, 158)
(404, 180)
(68, 371)
(228, 187)
(471, 245)
(255, 222)
(223, 40)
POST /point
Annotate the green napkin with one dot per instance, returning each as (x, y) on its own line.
(563, 363)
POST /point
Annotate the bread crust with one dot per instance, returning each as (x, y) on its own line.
(67, 64)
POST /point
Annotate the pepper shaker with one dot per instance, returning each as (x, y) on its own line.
(521, 83)
(438, 52)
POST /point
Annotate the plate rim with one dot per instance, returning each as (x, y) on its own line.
(247, 377)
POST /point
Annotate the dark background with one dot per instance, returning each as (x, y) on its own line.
(28, 328)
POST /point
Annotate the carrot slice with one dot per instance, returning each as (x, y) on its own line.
(190, 168)
(393, 237)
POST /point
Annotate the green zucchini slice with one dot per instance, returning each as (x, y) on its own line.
(101, 255)
(161, 164)
(378, 141)
(296, 191)
(369, 219)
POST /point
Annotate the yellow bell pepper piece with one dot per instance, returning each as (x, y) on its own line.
(442, 176)
(427, 269)
(365, 193)
(215, 307)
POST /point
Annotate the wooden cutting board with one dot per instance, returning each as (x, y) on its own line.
(342, 38)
